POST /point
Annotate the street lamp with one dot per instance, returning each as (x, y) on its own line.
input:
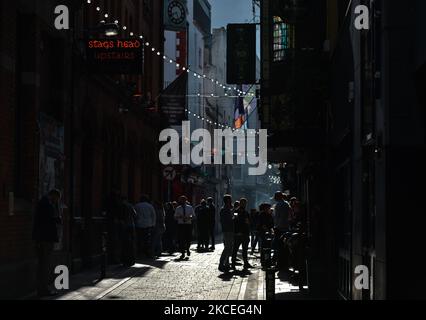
(108, 29)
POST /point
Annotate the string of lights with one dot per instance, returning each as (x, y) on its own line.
(219, 125)
(239, 93)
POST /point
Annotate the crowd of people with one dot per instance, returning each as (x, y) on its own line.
(243, 229)
(148, 229)
(171, 228)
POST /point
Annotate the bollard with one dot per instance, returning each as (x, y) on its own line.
(268, 267)
(270, 284)
(104, 255)
(266, 257)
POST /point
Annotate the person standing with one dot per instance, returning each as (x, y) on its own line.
(227, 223)
(45, 235)
(184, 215)
(281, 226)
(265, 225)
(242, 234)
(145, 222)
(281, 214)
(201, 215)
(211, 213)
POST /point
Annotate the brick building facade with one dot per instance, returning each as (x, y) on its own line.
(64, 127)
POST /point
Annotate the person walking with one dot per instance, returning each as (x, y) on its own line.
(45, 235)
(227, 223)
(211, 223)
(145, 222)
(202, 219)
(242, 234)
(184, 215)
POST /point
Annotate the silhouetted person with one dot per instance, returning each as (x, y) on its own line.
(184, 215)
(227, 223)
(202, 219)
(145, 223)
(242, 234)
(282, 214)
(265, 224)
(45, 235)
(211, 211)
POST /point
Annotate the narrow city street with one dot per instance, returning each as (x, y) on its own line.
(169, 279)
(135, 128)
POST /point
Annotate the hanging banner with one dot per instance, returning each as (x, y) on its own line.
(241, 54)
(173, 100)
(175, 12)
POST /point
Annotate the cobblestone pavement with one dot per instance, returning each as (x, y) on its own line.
(168, 279)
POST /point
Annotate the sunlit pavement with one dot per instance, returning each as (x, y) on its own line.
(168, 279)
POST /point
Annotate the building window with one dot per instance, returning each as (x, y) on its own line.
(283, 39)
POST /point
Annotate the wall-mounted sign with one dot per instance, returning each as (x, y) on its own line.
(117, 56)
(173, 100)
(169, 173)
(175, 15)
(241, 54)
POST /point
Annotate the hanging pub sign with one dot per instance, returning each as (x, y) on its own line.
(173, 100)
(115, 56)
(175, 15)
(241, 54)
